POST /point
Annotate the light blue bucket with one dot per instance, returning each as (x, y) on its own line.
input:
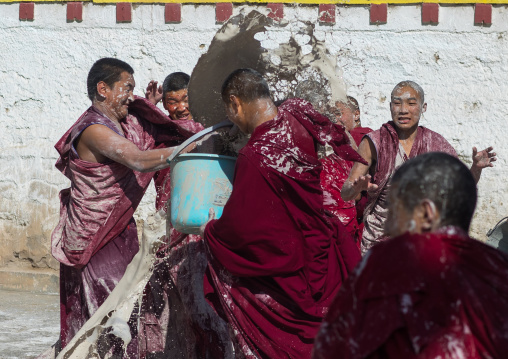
(199, 181)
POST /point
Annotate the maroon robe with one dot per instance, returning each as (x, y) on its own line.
(335, 172)
(438, 295)
(358, 133)
(386, 143)
(96, 236)
(276, 260)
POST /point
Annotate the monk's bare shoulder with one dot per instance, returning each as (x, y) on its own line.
(98, 143)
(367, 150)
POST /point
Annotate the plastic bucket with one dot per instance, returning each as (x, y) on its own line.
(199, 181)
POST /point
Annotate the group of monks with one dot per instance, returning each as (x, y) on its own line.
(311, 194)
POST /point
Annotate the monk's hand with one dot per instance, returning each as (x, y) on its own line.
(153, 93)
(211, 216)
(363, 183)
(483, 158)
(211, 143)
(189, 148)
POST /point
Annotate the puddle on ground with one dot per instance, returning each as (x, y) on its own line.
(29, 323)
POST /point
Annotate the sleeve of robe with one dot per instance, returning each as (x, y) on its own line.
(255, 235)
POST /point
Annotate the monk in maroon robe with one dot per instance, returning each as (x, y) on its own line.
(110, 156)
(389, 147)
(431, 291)
(276, 259)
(336, 171)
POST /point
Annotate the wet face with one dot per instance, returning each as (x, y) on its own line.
(347, 117)
(406, 108)
(118, 97)
(399, 220)
(177, 104)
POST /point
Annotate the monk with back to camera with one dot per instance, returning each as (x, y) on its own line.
(276, 259)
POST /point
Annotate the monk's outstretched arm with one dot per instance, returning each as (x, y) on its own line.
(359, 179)
(98, 142)
(481, 160)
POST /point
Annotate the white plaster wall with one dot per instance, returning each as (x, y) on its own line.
(44, 64)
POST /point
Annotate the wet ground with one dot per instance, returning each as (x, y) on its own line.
(29, 323)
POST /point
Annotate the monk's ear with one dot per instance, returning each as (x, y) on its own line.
(424, 107)
(430, 216)
(236, 103)
(102, 90)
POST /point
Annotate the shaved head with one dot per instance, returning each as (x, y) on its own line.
(440, 178)
(246, 84)
(413, 85)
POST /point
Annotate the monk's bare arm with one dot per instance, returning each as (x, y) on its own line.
(481, 160)
(98, 142)
(359, 179)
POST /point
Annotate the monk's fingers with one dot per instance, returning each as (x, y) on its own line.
(372, 187)
(189, 147)
(202, 228)
(358, 181)
(475, 151)
(211, 214)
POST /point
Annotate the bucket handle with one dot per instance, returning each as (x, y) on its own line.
(200, 134)
(495, 227)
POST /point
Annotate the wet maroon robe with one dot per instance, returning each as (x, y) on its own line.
(335, 172)
(276, 260)
(438, 295)
(386, 143)
(358, 133)
(96, 236)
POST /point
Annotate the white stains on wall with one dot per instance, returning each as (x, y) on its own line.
(44, 63)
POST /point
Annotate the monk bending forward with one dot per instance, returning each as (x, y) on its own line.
(276, 260)
(431, 291)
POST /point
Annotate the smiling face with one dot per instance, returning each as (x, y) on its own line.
(406, 108)
(177, 104)
(118, 97)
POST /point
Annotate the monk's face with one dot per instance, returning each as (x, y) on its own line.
(177, 104)
(346, 116)
(406, 108)
(118, 97)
